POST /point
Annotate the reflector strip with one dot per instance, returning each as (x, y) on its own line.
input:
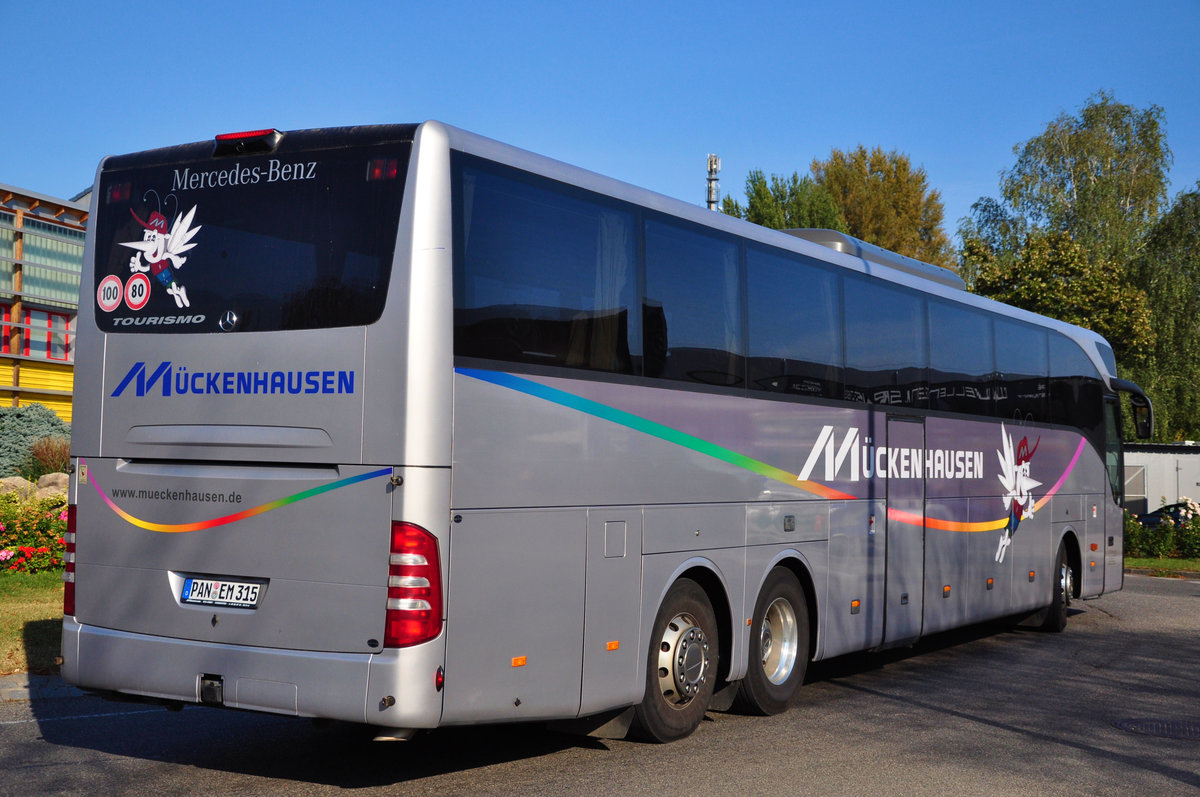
(408, 605)
(405, 582)
(518, 661)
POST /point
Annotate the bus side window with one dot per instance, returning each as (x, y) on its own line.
(794, 318)
(1076, 392)
(1023, 371)
(543, 274)
(962, 359)
(887, 344)
(693, 302)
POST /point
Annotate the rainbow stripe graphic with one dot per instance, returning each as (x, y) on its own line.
(652, 428)
(708, 448)
(179, 528)
(621, 418)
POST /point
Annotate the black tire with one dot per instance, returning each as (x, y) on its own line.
(779, 646)
(681, 666)
(1064, 579)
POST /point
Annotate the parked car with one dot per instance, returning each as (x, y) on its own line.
(1178, 514)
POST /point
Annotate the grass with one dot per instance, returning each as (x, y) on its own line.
(1165, 567)
(30, 621)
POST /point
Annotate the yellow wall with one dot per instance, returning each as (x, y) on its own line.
(38, 375)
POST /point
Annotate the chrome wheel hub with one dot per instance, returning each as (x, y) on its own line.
(683, 660)
(779, 641)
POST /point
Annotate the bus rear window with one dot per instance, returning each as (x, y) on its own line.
(297, 239)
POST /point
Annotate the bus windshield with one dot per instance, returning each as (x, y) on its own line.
(301, 238)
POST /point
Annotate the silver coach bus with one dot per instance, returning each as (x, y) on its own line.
(402, 426)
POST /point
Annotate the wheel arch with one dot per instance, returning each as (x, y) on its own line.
(1070, 541)
(794, 561)
(717, 593)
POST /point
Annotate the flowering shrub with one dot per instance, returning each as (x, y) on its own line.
(1144, 543)
(1187, 538)
(31, 534)
(1173, 537)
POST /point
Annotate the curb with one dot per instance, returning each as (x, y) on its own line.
(24, 686)
(1162, 572)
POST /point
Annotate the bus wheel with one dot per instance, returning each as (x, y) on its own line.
(681, 667)
(1064, 586)
(778, 646)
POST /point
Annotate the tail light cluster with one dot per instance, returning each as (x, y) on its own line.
(69, 565)
(414, 596)
(382, 169)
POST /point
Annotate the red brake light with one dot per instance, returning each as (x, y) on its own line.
(248, 142)
(414, 596)
(69, 565)
(245, 134)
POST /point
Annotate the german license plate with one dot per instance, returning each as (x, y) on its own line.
(220, 592)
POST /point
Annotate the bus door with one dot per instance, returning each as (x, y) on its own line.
(1113, 542)
(905, 579)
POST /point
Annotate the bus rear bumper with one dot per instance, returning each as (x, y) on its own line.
(397, 689)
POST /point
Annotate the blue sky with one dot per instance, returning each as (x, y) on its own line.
(639, 91)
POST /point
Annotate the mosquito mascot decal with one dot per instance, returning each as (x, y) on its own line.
(162, 250)
(1014, 477)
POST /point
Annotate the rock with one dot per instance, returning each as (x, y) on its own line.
(49, 492)
(15, 484)
(55, 481)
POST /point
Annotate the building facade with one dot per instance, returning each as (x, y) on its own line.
(41, 257)
(1157, 475)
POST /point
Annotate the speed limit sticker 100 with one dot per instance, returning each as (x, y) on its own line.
(110, 293)
(137, 291)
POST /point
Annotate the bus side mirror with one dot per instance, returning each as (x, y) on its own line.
(1143, 416)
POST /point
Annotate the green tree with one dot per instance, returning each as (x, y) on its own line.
(786, 203)
(1100, 176)
(1168, 266)
(887, 202)
(1053, 275)
(1099, 180)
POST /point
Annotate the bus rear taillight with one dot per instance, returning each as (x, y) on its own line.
(383, 169)
(69, 565)
(414, 596)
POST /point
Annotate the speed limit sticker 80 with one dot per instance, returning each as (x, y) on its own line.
(137, 291)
